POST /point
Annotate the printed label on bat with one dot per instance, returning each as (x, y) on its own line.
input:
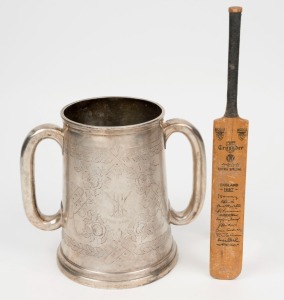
(229, 168)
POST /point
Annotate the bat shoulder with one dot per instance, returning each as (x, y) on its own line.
(223, 121)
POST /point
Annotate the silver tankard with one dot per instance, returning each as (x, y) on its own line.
(115, 213)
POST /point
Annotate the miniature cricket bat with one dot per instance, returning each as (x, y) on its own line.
(230, 136)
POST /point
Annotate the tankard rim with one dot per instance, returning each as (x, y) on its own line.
(88, 127)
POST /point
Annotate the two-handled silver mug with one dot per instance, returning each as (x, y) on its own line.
(115, 213)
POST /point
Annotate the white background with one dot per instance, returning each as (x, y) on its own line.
(172, 52)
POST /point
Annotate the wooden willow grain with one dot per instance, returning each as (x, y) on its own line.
(230, 135)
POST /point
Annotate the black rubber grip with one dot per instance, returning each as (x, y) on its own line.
(233, 64)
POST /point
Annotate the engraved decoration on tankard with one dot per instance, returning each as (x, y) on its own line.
(115, 213)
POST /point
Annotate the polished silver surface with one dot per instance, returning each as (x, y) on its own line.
(115, 213)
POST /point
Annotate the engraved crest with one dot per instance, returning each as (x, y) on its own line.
(230, 157)
(242, 133)
(119, 204)
(220, 133)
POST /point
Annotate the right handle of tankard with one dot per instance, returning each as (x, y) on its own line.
(199, 170)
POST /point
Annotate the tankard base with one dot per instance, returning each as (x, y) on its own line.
(117, 280)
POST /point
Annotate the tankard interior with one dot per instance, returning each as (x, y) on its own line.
(112, 111)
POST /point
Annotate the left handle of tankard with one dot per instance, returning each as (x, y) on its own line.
(35, 216)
